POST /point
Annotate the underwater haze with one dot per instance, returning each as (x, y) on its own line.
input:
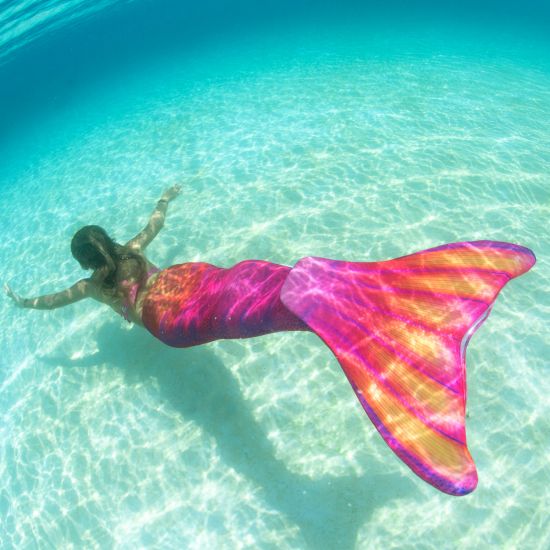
(349, 130)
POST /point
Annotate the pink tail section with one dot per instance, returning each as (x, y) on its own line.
(399, 329)
(194, 303)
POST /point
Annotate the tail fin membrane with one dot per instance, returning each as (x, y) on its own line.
(399, 329)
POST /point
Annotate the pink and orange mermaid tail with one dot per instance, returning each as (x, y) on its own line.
(398, 328)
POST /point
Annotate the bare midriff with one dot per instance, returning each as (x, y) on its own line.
(141, 294)
(132, 307)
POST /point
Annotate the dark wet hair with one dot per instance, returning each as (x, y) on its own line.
(92, 247)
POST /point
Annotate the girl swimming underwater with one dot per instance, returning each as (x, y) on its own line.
(399, 328)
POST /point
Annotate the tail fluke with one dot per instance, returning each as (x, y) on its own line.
(399, 329)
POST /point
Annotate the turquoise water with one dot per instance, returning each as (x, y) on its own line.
(353, 137)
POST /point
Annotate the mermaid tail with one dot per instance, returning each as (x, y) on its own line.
(195, 303)
(399, 329)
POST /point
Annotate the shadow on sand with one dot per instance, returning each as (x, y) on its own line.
(200, 388)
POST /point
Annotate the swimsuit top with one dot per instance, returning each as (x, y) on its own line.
(130, 300)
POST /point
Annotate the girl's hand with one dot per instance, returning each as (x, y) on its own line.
(19, 302)
(171, 193)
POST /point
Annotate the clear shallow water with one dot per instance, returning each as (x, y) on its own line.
(356, 142)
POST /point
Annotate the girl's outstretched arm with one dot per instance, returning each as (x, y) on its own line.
(80, 290)
(156, 221)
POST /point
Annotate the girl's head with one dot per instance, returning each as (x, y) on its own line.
(92, 248)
